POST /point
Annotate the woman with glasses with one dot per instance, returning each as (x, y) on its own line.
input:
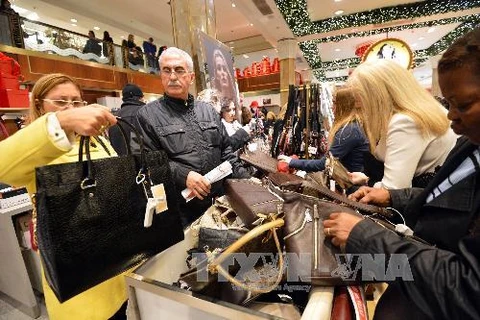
(58, 116)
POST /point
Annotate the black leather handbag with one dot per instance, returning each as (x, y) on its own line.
(90, 217)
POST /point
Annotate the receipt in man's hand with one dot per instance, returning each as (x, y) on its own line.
(212, 176)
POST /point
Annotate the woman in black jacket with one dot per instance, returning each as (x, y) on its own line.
(446, 274)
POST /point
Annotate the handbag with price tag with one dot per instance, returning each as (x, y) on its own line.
(91, 215)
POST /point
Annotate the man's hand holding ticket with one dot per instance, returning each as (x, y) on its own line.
(213, 176)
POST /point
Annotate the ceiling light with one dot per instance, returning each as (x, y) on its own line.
(74, 25)
(431, 30)
(251, 24)
(33, 16)
(246, 56)
(73, 20)
(96, 28)
(338, 49)
(233, 5)
(339, 12)
(338, 0)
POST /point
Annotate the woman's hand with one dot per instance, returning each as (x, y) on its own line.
(284, 158)
(358, 178)
(91, 120)
(338, 226)
(377, 196)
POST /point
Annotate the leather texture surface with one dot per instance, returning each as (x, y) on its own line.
(299, 232)
(87, 236)
(248, 199)
(260, 160)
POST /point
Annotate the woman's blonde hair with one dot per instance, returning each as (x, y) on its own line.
(385, 88)
(42, 87)
(345, 112)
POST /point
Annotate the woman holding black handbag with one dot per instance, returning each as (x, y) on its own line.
(58, 116)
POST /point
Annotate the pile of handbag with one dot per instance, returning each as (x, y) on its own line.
(263, 245)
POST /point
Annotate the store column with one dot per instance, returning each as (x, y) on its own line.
(187, 17)
(286, 54)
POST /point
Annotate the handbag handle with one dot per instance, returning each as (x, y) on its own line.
(367, 208)
(89, 180)
(252, 234)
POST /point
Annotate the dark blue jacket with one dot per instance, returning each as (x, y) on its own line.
(348, 146)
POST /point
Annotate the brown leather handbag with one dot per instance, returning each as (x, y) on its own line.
(251, 201)
(259, 160)
(311, 257)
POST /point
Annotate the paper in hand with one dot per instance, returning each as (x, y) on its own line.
(216, 174)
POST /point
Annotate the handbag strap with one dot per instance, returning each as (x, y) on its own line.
(367, 208)
(249, 236)
(89, 180)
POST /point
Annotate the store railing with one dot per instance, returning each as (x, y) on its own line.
(38, 36)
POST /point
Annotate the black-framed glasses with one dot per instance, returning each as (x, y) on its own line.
(63, 103)
(179, 71)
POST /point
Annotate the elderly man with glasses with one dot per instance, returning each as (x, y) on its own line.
(191, 133)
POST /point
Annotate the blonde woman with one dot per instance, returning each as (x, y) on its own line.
(407, 128)
(58, 115)
(347, 138)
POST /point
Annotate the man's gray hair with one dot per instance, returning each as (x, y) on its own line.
(179, 52)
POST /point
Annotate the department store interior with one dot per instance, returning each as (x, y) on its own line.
(273, 49)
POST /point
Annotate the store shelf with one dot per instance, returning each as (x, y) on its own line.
(17, 209)
(13, 110)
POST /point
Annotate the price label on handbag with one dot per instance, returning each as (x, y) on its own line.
(158, 192)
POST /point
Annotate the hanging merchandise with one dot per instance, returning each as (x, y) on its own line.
(326, 105)
(303, 129)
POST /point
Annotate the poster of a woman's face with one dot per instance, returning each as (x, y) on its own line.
(219, 65)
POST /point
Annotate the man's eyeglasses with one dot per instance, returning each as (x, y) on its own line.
(63, 103)
(178, 71)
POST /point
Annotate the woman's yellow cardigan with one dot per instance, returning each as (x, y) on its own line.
(19, 155)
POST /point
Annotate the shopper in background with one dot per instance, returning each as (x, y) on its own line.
(246, 115)
(130, 43)
(191, 133)
(132, 97)
(150, 49)
(135, 57)
(407, 128)
(238, 135)
(107, 43)
(347, 138)
(58, 116)
(446, 274)
(92, 45)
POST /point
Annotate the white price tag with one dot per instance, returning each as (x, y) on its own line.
(252, 147)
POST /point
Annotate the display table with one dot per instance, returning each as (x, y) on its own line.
(151, 295)
(15, 282)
